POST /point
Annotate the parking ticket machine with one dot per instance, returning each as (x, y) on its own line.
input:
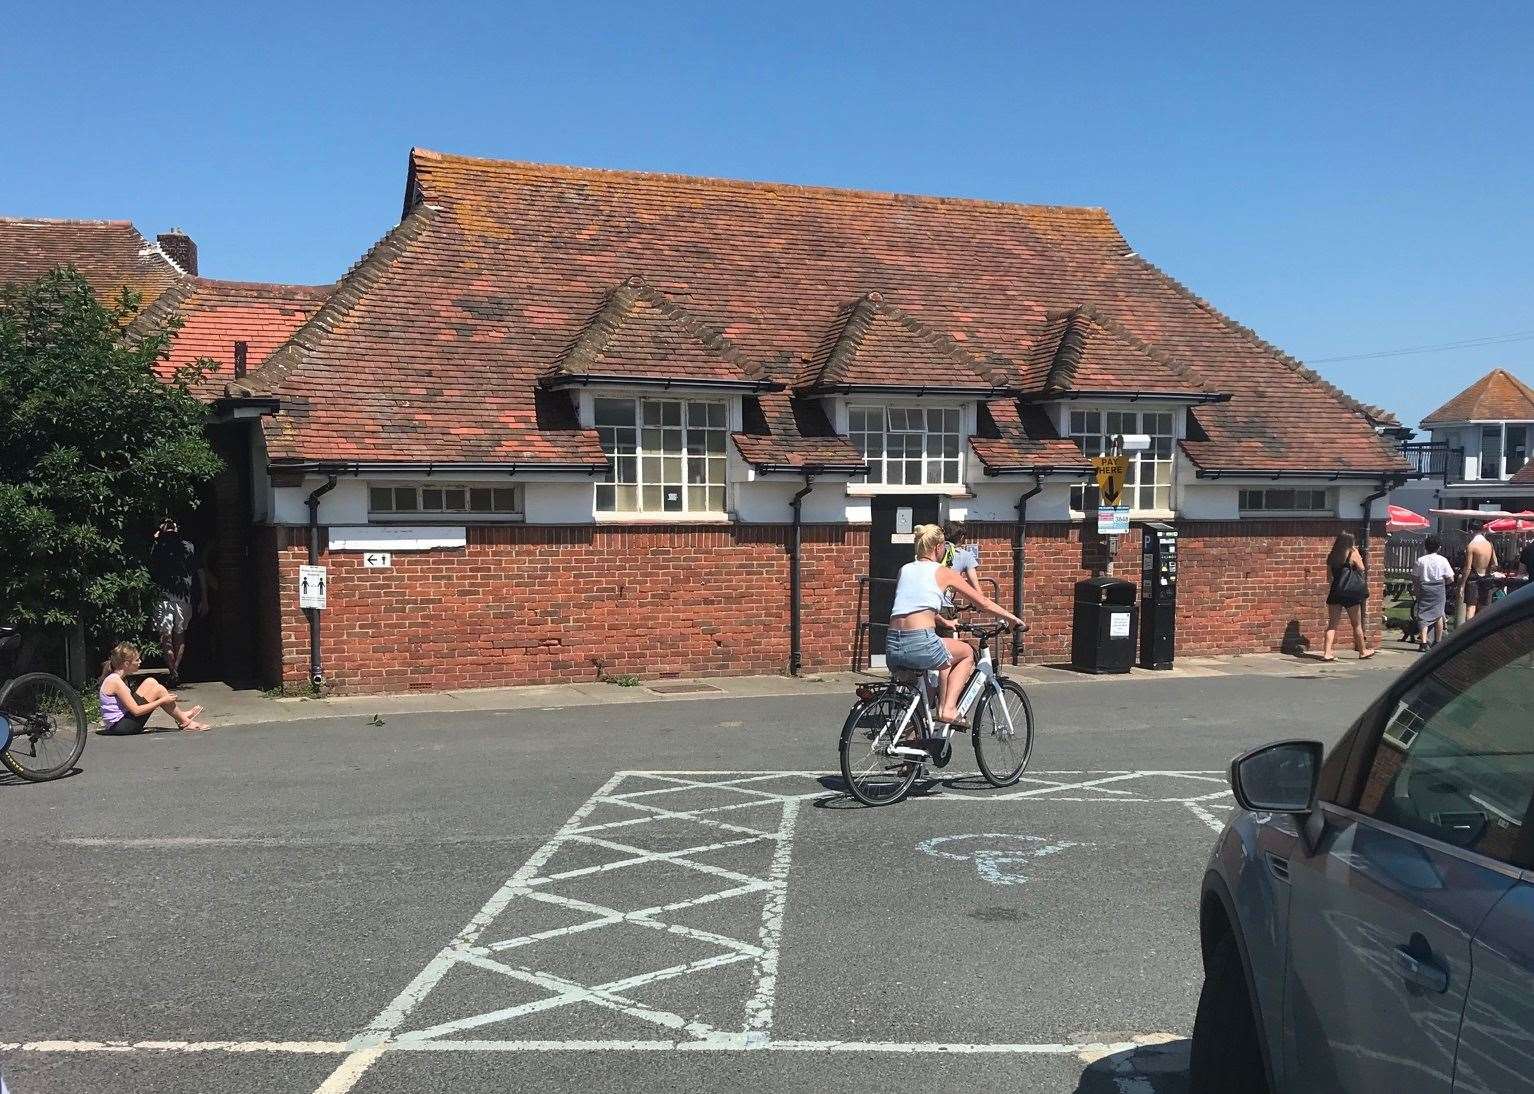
(1158, 596)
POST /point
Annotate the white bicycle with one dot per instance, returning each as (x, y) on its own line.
(890, 736)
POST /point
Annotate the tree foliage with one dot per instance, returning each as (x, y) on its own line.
(94, 449)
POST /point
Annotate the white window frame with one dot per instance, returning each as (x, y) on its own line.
(1328, 506)
(646, 469)
(878, 476)
(465, 515)
(1137, 460)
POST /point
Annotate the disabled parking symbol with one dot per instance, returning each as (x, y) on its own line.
(999, 857)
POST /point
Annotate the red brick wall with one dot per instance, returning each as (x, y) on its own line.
(523, 605)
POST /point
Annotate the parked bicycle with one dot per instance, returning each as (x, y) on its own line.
(42, 721)
(891, 736)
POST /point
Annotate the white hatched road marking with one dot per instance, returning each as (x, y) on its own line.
(387, 1032)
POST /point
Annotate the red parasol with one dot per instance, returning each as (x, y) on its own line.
(1404, 520)
(1523, 522)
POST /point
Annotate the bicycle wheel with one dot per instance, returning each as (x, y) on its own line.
(1003, 752)
(47, 725)
(872, 777)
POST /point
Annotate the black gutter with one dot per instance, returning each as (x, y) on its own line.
(1387, 484)
(578, 380)
(795, 543)
(810, 468)
(316, 672)
(363, 467)
(266, 404)
(1129, 396)
(1330, 474)
(916, 390)
(1018, 540)
(1037, 469)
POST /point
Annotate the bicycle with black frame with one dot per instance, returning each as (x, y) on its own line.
(42, 721)
(892, 733)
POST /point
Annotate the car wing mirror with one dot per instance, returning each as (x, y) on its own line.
(1278, 778)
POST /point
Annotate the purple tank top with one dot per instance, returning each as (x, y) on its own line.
(111, 709)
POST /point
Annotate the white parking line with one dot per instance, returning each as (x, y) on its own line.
(637, 792)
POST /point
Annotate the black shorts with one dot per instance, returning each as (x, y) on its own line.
(1478, 591)
(128, 723)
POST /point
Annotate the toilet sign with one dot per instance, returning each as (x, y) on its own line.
(311, 586)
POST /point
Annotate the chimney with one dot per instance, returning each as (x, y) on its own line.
(241, 350)
(182, 251)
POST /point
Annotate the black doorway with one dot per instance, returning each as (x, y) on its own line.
(889, 548)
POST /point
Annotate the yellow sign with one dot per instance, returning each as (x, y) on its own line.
(1110, 478)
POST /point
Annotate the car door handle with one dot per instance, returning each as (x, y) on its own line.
(1422, 971)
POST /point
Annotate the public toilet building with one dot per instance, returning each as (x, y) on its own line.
(562, 423)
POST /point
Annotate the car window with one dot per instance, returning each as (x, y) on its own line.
(1456, 758)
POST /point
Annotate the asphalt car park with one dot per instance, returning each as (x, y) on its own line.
(476, 902)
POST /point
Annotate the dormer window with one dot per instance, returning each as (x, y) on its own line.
(908, 445)
(1148, 484)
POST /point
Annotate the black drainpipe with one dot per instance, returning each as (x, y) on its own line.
(1363, 535)
(1018, 539)
(316, 672)
(796, 503)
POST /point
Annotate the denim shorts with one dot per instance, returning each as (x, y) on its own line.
(917, 650)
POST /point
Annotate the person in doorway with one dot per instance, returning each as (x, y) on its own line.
(1480, 559)
(126, 709)
(1346, 593)
(1526, 559)
(1431, 575)
(173, 569)
(913, 642)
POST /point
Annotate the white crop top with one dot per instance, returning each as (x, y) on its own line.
(917, 590)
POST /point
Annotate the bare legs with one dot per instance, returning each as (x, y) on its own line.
(953, 678)
(151, 690)
(174, 644)
(1355, 619)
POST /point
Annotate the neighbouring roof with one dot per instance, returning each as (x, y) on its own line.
(1014, 438)
(1497, 396)
(110, 255)
(217, 314)
(436, 346)
(1082, 350)
(1525, 474)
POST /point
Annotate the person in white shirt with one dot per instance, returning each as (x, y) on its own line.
(1430, 577)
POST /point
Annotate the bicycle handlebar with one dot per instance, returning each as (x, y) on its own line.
(986, 630)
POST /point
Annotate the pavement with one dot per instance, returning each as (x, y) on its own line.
(226, 706)
(643, 894)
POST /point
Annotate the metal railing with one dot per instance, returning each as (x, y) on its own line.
(1434, 460)
(862, 641)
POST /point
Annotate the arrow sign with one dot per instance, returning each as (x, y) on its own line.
(378, 560)
(1111, 471)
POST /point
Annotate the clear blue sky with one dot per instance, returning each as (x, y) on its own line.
(1345, 178)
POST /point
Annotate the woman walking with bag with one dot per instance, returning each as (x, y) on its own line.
(1348, 590)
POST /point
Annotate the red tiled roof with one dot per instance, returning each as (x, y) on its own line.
(1525, 474)
(217, 314)
(1014, 438)
(873, 345)
(432, 349)
(635, 328)
(784, 433)
(1497, 396)
(110, 255)
(1082, 350)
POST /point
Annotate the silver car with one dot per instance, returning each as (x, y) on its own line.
(1367, 920)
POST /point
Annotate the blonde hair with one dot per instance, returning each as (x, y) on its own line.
(121, 654)
(928, 536)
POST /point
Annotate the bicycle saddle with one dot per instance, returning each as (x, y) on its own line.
(10, 638)
(906, 676)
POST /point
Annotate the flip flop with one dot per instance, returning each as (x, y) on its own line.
(1366, 656)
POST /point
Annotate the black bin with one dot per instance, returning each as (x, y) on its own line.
(1103, 634)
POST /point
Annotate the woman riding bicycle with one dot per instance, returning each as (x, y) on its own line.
(913, 641)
